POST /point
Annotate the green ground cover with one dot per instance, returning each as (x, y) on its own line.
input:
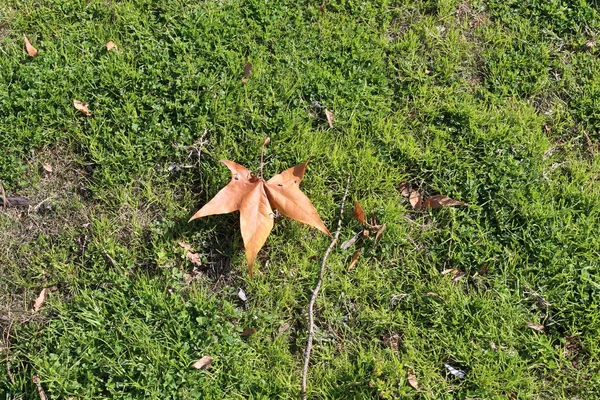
(490, 102)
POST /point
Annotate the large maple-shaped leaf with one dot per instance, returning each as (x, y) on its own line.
(255, 199)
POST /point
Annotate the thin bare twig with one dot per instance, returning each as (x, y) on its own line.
(311, 305)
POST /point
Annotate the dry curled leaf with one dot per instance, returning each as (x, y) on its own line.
(111, 45)
(247, 72)
(330, 117)
(39, 302)
(536, 327)
(355, 257)
(203, 363)
(438, 201)
(47, 167)
(359, 213)
(32, 51)
(81, 107)
(256, 198)
(412, 380)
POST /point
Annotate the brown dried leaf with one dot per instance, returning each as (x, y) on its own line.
(354, 260)
(81, 107)
(111, 45)
(438, 201)
(330, 117)
(255, 199)
(32, 51)
(248, 332)
(405, 188)
(536, 327)
(416, 199)
(39, 302)
(359, 213)
(47, 167)
(203, 363)
(247, 72)
(412, 380)
(194, 258)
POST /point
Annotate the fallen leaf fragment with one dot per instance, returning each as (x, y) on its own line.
(36, 379)
(192, 256)
(456, 372)
(458, 277)
(15, 201)
(380, 232)
(354, 260)
(247, 72)
(330, 117)
(248, 332)
(81, 107)
(47, 167)
(416, 200)
(447, 271)
(405, 188)
(350, 241)
(242, 295)
(536, 327)
(438, 201)
(111, 45)
(434, 294)
(203, 363)
(39, 302)
(255, 199)
(359, 213)
(283, 328)
(412, 380)
(32, 51)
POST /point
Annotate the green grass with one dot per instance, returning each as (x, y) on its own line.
(491, 102)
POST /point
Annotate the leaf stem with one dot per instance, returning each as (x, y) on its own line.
(262, 152)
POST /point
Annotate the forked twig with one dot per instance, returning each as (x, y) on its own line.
(315, 292)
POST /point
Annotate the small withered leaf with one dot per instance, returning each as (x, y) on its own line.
(355, 258)
(359, 213)
(330, 117)
(32, 51)
(203, 363)
(247, 72)
(82, 107)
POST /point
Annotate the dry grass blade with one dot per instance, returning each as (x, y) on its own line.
(346, 245)
(41, 393)
(380, 232)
